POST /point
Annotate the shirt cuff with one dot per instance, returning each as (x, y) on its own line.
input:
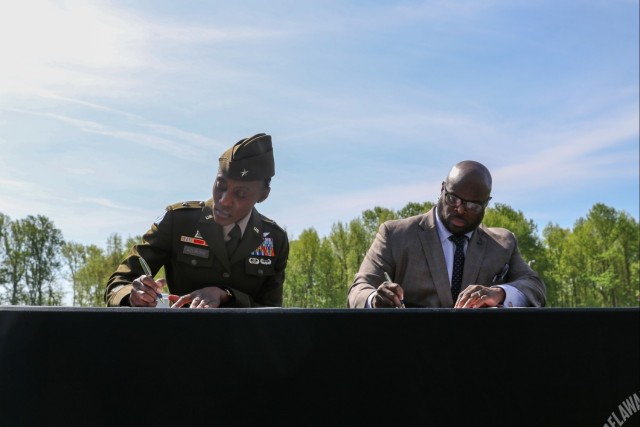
(513, 297)
(369, 299)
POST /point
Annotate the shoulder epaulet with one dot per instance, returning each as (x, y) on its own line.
(270, 221)
(192, 204)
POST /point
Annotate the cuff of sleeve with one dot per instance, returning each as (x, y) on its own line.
(119, 296)
(367, 304)
(513, 297)
(230, 294)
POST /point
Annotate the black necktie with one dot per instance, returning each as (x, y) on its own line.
(458, 265)
(234, 240)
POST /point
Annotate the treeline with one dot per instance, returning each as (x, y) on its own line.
(594, 264)
(35, 262)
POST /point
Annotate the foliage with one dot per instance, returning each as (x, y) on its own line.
(594, 264)
(30, 261)
(90, 267)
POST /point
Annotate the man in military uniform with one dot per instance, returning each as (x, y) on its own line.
(218, 253)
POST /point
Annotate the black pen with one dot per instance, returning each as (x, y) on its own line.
(147, 271)
(386, 276)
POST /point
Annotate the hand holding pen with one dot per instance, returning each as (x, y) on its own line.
(146, 291)
(401, 294)
(388, 294)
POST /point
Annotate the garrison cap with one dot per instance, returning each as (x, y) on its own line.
(250, 159)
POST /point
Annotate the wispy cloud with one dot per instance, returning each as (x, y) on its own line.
(575, 155)
(184, 145)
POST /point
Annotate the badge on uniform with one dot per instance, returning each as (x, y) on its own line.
(265, 248)
(197, 240)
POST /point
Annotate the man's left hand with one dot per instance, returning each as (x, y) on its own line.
(477, 296)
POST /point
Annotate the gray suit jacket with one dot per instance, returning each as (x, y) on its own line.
(409, 250)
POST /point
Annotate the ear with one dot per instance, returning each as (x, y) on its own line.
(264, 195)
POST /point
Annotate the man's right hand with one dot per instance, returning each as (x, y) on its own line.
(388, 295)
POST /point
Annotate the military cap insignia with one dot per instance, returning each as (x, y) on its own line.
(244, 172)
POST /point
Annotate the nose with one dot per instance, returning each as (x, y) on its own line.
(225, 199)
(462, 209)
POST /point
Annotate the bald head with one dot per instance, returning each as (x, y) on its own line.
(470, 173)
(464, 196)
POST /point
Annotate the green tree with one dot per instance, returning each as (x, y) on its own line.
(14, 263)
(301, 270)
(558, 277)
(91, 267)
(525, 230)
(596, 263)
(75, 256)
(42, 246)
(414, 208)
(607, 245)
(373, 218)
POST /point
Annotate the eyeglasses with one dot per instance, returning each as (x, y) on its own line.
(454, 201)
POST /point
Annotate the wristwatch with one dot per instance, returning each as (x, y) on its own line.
(232, 297)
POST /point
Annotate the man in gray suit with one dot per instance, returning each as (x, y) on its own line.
(446, 257)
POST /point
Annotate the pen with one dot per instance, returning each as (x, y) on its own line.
(147, 271)
(388, 279)
(501, 275)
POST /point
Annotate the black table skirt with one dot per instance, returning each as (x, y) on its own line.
(124, 366)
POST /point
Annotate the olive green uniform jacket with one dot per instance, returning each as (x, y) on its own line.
(190, 245)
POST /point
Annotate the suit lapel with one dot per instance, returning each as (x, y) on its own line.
(212, 234)
(251, 238)
(432, 249)
(473, 258)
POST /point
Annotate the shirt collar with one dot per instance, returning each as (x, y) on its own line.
(242, 223)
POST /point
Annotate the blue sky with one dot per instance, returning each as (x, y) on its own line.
(109, 111)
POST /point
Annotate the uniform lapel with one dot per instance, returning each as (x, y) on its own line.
(212, 234)
(473, 258)
(251, 238)
(432, 249)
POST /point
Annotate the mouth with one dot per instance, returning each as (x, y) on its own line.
(457, 221)
(221, 214)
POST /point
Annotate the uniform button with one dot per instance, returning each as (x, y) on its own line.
(260, 271)
(226, 275)
(194, 262)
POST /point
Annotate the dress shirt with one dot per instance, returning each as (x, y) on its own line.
(513, 297)
(242, 224)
